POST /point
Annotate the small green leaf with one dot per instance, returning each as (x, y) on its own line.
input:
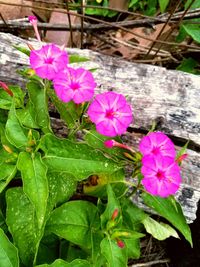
(38, 99)
(196, 4)
(14, 131)
(35, 184)
(189, 65)
(115, 256)
(5, 100)
(26, 116)
(112, 205)
(78, 263)
(132, 215)
(75, 221)
(24, 50)
(193, 30)
(132, 3)
(77, 58)
(20, 218)
(62, 263)
(170, 210)
(8, 252)
(163, 5)
(67, 111)
(133, 248)
(159, 230)
(7, 173)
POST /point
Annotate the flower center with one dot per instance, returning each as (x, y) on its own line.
(160, 175)
(74, 86)
(110, 114)
(49, 60)
(155, 151)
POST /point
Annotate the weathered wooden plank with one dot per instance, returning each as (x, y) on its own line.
(171, 98)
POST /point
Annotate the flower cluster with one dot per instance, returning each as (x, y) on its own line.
(111, 114)
(109, 111)
(159, 167)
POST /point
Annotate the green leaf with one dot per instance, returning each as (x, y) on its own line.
(8, 252)
(5, 100)
(163, 5)
(112, 205)
(75, 221)
(67, 111)
(19, 95)
(96, 140)
(170, 210)
(159, 230)
(24, 50)
(35, 184)
(27, 116)
(70, 251)
(8, 172)
(132, 3)
(75, 58)
(79, 263)
(22, 225)
(189, 65)
(49, 249)
(37, 96)
(77, 159)
(133, 248)
(62, 263)
(193, 30)
(196, 4)
(14, 131)
(132, 215)
(115, 256)
(61, 187)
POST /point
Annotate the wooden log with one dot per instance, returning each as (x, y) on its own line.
(168, 97)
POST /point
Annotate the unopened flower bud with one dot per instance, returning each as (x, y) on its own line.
(112, 143)
(181, 158)
(33, 20)
(8, 149)
(120, 244)
(115, 214)
(109, 143)
(5, 88)
(128, 156)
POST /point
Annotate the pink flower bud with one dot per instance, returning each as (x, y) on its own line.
(109, 143)
(181, 158)
(115, 214)
(112, 143)
(5, 88)
(33, 20)
(120, 244)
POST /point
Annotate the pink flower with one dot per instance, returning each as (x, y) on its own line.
(74, 84)
(111, 113)
(161, 175)
(157, 143)
(48, 61)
